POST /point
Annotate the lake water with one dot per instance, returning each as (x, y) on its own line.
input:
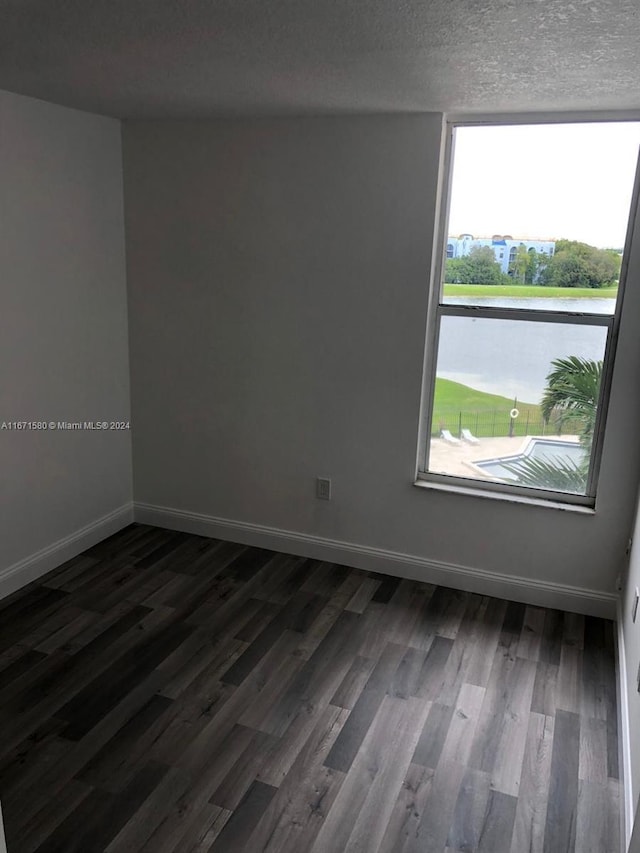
(584, 306)
(513, 358)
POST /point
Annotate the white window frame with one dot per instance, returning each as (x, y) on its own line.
(438, 309)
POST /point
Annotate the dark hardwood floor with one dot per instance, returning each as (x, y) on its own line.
(168, 693)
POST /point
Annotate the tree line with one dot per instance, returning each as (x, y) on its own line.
(573, 264)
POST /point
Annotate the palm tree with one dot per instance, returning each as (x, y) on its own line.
(559, 476)
(571, 394)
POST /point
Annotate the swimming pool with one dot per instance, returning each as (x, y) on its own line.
(545, 449)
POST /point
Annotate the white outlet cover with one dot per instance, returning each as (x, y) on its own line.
(323, 488)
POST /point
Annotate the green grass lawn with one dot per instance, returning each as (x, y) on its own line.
(454, 395)
(529, 290)
(486, 415)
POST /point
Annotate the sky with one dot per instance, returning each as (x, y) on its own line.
(548, 181)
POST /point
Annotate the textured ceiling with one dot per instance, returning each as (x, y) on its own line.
(195, 58)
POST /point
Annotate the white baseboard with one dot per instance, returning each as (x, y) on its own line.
(25, 571)
(624, 740)
(531, 591)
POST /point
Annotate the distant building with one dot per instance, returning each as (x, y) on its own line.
(504, 248)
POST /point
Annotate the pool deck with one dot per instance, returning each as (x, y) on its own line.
(457, 459)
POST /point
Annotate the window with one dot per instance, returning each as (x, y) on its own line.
(519, 362)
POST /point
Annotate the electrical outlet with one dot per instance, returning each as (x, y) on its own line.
(634, 606)
(323, 488)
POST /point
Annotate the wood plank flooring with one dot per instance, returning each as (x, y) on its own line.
(168, 693)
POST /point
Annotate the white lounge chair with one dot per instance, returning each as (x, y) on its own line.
(445, 433)
(469, 437)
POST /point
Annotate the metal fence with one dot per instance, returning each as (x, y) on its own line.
(496, 423)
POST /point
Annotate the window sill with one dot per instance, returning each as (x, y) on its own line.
(503, 496)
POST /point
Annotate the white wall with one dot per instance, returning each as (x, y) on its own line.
(63, 338)
(277, 292)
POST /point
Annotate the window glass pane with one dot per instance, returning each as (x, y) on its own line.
(538, 215)
(515, 401)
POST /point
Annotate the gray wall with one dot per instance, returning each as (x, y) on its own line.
(63, 338)
(631, 638)
(629, 630)
(278, 276)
